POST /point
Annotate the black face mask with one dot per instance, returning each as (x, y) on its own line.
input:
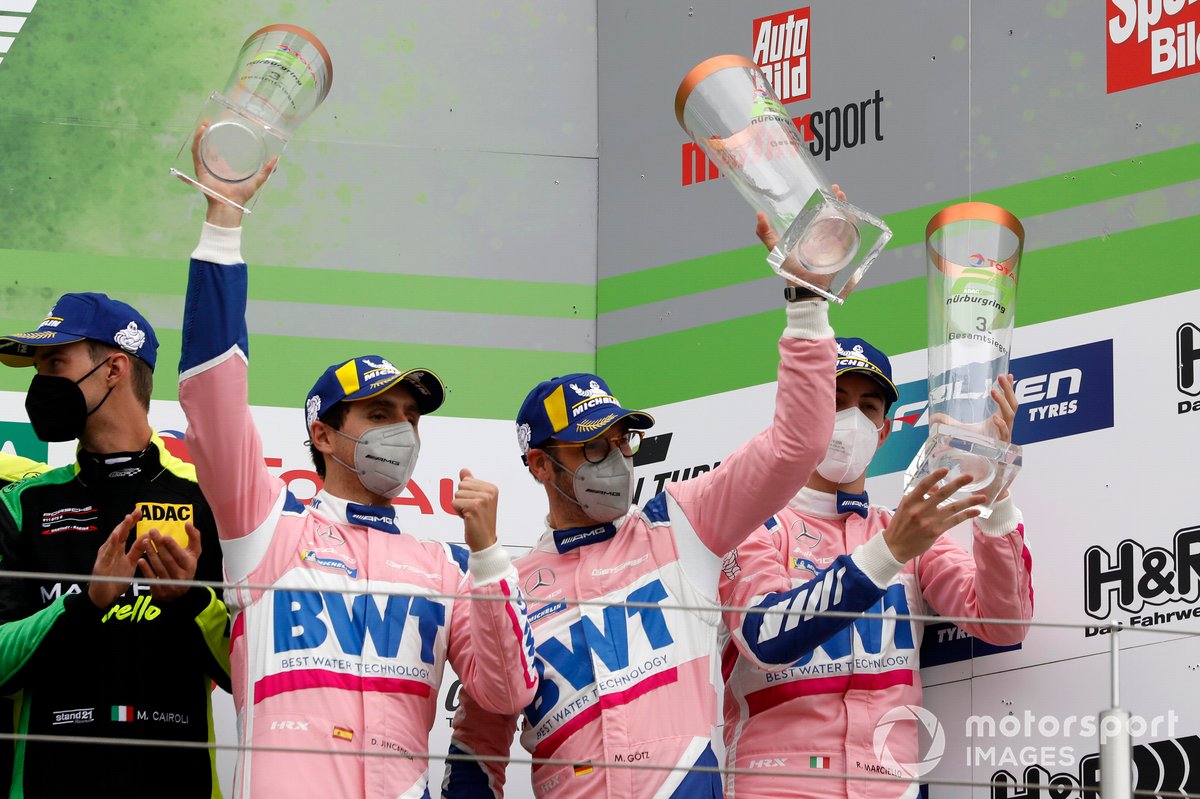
(57, 408)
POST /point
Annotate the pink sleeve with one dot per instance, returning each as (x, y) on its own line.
(221, 435)
(748, 573)
(478, 732)
(491, 644)
(227, 449)
(994, 582)
(725, 505)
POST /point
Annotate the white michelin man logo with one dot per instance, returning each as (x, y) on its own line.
(130, 339)
(312, 408)
(524, 435)
(593, 390)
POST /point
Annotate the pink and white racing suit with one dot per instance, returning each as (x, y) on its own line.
(819, 714)
(335, 669)
(637, 685)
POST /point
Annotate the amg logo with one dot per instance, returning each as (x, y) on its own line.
(770, 762)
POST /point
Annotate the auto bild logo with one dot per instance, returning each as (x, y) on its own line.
(1062, 393)
(781, 45)
(781, 52)
(1137, 579)
(1187, 366)
(928, 728)
(1150, 41)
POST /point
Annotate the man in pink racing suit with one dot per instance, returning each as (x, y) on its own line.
(636, 684)
(830, 549)
(342, 623)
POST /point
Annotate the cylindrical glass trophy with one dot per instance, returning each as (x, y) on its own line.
(973, 253)
(825, 244)
(282, 74)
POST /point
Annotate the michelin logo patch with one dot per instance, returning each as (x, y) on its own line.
(312, 556)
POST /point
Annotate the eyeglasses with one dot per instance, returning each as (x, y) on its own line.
(597, 449)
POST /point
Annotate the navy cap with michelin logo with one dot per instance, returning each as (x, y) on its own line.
(856, 355)
(366, 376)
(574, 408)
(76, 317)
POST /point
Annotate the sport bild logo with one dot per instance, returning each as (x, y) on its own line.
(1187, 365)
(1135, 578)
(781, 52)
(1150, 41)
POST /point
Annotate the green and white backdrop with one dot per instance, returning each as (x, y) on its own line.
(499, 191)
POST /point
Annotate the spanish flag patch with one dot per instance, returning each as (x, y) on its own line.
(343, 733)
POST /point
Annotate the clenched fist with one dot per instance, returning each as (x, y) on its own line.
(475, 501)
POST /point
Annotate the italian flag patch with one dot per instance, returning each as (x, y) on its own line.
(818, 762)
(123, 713)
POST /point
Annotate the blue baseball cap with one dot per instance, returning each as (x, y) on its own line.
(574, 408)
(856, 355)
(76, 317)
(366, 376)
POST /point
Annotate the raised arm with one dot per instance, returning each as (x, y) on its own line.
(725, 505)
(221, 435)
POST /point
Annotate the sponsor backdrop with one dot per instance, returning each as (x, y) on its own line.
(502, 193)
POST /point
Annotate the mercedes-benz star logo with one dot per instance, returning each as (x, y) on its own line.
(539, 579)
(806, 536)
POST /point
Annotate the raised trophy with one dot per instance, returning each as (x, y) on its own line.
(973, 252)
(727, 106)
(282, 74)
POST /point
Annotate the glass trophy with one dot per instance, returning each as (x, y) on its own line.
(281, 75)
(973, 251)
(727, 107)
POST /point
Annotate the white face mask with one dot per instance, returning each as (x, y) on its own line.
(384, 458)
(851, 448)
(603, 490)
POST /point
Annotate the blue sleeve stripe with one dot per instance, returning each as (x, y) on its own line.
(461, 555)
(771, 523)
(700, 783)
(842, 587)
(465, 779)
(291, 504)
(214, 313)
(655, 510)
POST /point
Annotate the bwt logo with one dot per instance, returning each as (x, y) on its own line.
(609, 645)
(299, 624)
(1140, 576)
(1187, 357)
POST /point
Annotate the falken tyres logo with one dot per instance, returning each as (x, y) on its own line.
(1170, 767)
(1062, 393)
(1137, 579)
(1187, 365)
